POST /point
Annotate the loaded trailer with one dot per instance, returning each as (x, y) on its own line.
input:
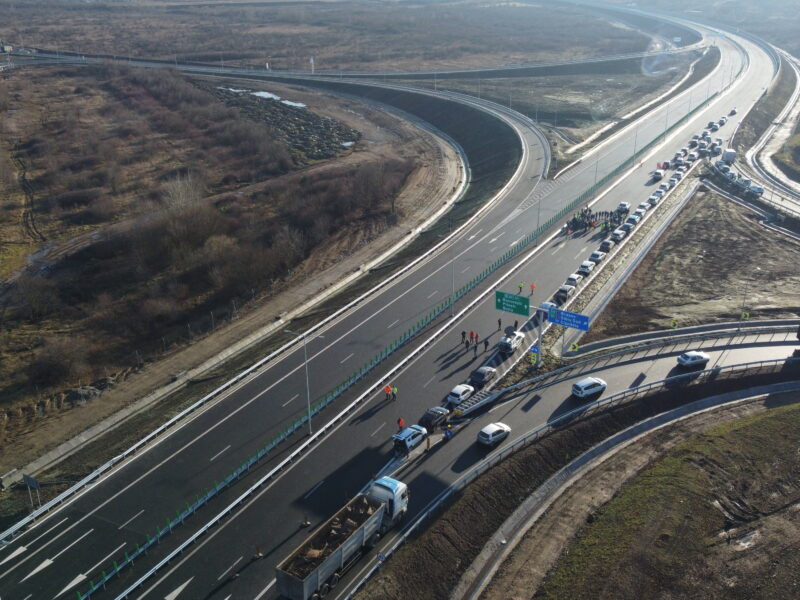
(316, 566)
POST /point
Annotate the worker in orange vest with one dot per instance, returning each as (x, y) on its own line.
(388, 390)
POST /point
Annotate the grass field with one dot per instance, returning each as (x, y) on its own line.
(715, 518)
(338, 35)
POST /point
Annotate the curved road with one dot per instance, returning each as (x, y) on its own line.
(74, 544)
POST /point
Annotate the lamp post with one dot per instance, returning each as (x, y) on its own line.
(308, 386)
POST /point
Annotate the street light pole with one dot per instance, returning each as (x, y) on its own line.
(308, 385)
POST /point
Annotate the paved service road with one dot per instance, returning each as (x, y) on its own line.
(75, 544)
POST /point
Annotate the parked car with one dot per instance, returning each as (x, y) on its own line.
(597, 256)
(607, 245)
(627, 227)
(693, 358)
(653, 200)
(638, 213)
(658, 193)
(509, 343)
(545, 309)
(663, 186)
(493, 434)
(733, 112)
(458, 394)
(574, 279)
(409, 438)
(434, 417)
(682, 169)
(673, 181)
(624, 207)
(589, 386)
(633, 219)
(586, 268)
(722, 121)
(643, 206)
(481, 376)
(714, 127)
(618, 234)
(564, 293)
(678, 175)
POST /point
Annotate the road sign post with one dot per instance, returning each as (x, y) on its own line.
(513, 303)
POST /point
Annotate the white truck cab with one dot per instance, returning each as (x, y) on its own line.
(394, 494)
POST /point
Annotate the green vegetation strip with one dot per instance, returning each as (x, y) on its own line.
(666, 517)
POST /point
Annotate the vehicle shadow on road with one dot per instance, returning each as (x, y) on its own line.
(371, 411)
(466, 365)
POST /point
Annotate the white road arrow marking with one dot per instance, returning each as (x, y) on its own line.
(49, 561)
(71, 585)
(16, 552)
(45, 563)
(174, 593)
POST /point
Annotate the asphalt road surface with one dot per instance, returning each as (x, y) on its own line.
(59, 556)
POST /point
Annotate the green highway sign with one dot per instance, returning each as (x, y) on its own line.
(513, 303)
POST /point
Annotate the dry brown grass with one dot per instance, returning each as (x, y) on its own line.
(339, 35)
(132, 176)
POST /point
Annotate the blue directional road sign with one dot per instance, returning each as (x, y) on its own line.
(568, 319)
(535, 349)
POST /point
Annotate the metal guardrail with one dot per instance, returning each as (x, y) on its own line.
(328, 398)
(668, 341)
(630, 395)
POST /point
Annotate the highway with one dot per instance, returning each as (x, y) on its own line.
(76, 543)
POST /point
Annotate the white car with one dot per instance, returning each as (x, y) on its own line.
(574, 279)
(658, 193)
(653, 200)
(493, 434)
(509, 343)
(597, 256)
(458, 394)
(643, 206)
(638, 213)
(618, 234)
(589, 386)
(624, 207)
(693, 358)
(586, 268)
(677, 175)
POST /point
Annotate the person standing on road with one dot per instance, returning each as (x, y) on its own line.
(476, 339)
(466, 345)
(521, 285)
(394, 392)
(499, 324)
(463, 336)
(485, 345)
(475, 351)
(401, 423)
(388, 390)
(471, 336)
(516, 325)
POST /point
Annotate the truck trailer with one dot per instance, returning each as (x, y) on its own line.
(316, 566)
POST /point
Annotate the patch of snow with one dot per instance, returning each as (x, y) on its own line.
(266, 95)
(295, 104)
(347, 144)
(235, 90)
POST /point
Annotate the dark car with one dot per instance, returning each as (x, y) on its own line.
(480, 377)
(607, 245)
(434, 417)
